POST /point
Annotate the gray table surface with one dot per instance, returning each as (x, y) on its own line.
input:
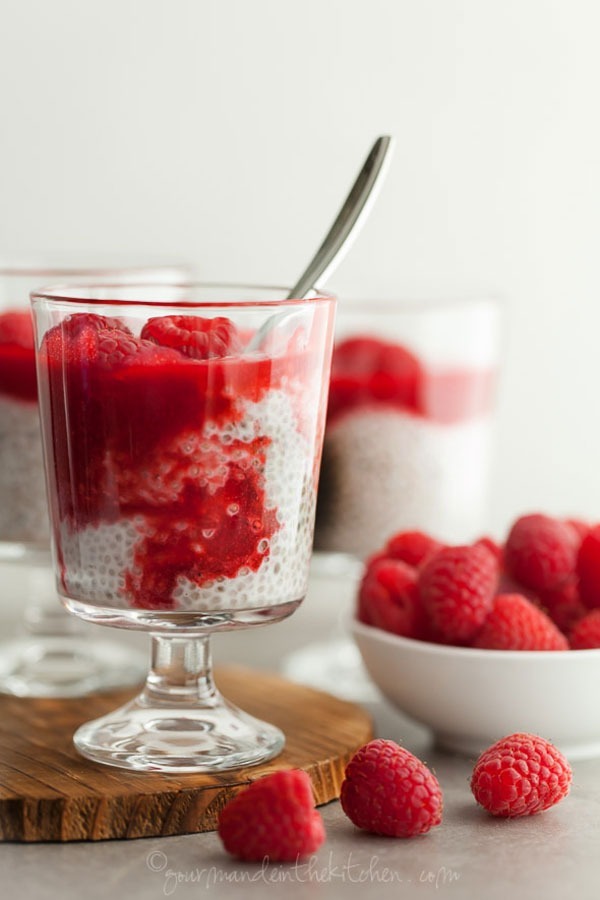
(470, 855)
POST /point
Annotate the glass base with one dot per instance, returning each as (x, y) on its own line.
(191, 622)
(146, 737)
(335, 666)
(67, 666)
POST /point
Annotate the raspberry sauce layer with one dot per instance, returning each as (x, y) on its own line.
(17, 356)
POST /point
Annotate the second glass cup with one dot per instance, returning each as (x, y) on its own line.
(182, 435)
(409, 424)
(407, 445)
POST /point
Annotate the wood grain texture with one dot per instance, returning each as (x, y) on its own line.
(48, 792)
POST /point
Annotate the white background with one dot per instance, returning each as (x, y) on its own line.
(227, 132)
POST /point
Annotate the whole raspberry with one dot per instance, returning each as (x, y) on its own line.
(77, 323)
(520, 775)
(509, 585)
(588, 568)
(564, 605)
(388, 598)
(274, 817)
(490, 544)
(457, 587)
(580, 527)
(585, 635)
(389, 791)
(541, 552)
(367, 370)
(116, 349)
(194, 336)
(516, 624)
(411, 547)
(76, 337)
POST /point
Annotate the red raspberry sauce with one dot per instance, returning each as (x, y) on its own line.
(125, 439)
(17, 356)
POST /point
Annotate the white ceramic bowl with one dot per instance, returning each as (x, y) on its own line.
(471, 698)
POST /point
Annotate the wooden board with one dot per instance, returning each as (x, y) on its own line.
(48, 792)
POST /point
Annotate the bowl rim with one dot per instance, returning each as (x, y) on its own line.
(450, 651)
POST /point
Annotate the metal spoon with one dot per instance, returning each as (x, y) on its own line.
(350, 218)
(338, 239)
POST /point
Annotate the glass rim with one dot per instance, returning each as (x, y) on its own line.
(74, 294)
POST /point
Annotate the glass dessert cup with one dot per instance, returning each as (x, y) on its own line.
(407, 443)
(54, 656)
(182, 471)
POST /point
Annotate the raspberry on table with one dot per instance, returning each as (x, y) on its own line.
(387, 790)
(195, 336)
(514, 623)
(274, 817)
(520, 775)
(585, 634)
(457, 587)
(388, 598)
(588, 568)
(541, 552)
(411, 547)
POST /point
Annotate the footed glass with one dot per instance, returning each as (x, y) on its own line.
(182, 432)
(53, 656)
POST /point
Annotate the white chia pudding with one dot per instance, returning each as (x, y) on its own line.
(387, 470)
(23, 509)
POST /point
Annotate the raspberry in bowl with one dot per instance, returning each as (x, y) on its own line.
(182, 476)
(488, 655)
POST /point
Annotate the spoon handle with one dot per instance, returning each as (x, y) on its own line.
(348, 221)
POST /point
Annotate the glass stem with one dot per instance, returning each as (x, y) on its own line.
(181, 673)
